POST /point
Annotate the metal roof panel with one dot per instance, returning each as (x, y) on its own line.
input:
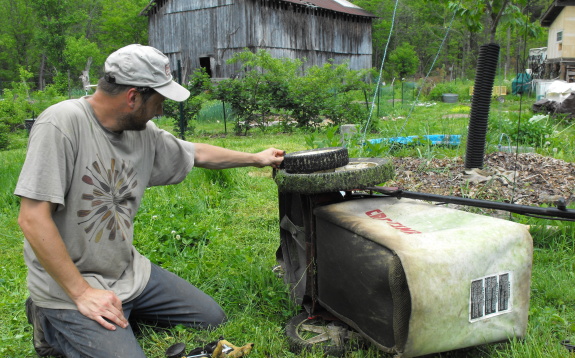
(343, 6)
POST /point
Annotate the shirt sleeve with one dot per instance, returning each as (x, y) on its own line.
(174, 159)
(48, 167)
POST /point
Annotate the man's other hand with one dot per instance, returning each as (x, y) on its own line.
(103, 307)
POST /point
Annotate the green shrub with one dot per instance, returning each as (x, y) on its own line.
(261, 90)
(199, 87)
(534, 131)
(14, 109)
(213, 111)
(270, 86)
(16, 104)
(436, 93)
(4, 138)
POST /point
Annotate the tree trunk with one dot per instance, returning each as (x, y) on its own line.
(41, 80)
(495, 17)
(508, 56)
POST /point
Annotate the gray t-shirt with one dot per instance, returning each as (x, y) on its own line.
(97, 178)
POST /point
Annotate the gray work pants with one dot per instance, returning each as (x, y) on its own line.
(167, 300)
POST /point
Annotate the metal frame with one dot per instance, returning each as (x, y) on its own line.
(560, 212)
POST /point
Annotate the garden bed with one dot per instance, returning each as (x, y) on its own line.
(525, 178)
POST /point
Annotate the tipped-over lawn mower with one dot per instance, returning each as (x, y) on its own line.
(372, 264)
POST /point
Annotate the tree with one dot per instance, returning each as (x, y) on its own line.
(17, 30)
(78, 52)
(403, 61)
(381, 25)
(55, 21)
(497, 12)
(120, 24)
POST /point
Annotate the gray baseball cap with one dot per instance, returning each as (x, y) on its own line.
(144, 66)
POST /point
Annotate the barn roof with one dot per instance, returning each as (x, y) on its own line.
(334, 5)
(554, 10)
(342, 6)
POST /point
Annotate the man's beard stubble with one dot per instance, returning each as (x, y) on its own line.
(134, 121)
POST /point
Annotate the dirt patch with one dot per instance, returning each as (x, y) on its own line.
(525, 178)
(455, 115)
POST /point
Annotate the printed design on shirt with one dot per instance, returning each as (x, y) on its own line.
(110, 213)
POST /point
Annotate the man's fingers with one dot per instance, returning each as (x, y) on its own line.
(103, 307)
(111, 318)
(117, 317)
(105, 323)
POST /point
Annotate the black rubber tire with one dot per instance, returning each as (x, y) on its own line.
(298, 336)
(358, 174)
(176, 350)
(313, 160)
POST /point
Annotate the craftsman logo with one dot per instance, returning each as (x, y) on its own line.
(490, 296)
(379, 215)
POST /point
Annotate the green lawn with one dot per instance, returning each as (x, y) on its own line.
(219, 229)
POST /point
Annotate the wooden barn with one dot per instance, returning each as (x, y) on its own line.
(560, 60)
(206, 33)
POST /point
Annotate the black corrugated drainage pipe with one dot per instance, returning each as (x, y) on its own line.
(484, 78)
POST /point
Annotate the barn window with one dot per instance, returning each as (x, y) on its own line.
(559, 36)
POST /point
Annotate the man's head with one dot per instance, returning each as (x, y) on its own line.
(143, 67)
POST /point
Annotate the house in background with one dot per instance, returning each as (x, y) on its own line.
(560, 54)
(206, 33)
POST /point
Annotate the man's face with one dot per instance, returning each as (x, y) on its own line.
(137, 119)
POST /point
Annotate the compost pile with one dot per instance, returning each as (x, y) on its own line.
(524, 178)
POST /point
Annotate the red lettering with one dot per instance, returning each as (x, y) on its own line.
(379, 215)
(370, 213)
(410, 231)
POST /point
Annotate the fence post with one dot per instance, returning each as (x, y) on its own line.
(393, 94)
(181, 104)
(378, 95)
(225, 121)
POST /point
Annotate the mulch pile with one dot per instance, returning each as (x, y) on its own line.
(524, 178)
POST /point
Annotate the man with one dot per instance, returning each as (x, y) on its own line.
(89, 161)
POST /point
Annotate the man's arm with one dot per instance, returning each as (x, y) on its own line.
(213, 157)
(39, 228)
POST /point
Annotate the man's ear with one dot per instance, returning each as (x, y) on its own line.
(131, 97)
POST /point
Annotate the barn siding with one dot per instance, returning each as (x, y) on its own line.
(189, 29)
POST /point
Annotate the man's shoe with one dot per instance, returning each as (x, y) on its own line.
(40, 345)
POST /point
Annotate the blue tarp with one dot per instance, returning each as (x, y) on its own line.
(436, 139)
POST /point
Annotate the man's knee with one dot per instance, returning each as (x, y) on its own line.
(216, 317)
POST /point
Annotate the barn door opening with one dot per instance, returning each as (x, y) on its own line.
(205, 63)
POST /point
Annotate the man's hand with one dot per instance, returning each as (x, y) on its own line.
(103, 307)
(270, 157)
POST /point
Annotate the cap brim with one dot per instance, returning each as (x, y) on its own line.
(173, 91)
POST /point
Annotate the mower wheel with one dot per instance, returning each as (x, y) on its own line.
(358, 174)
(332, 337)
(309, 161)
(176, 350)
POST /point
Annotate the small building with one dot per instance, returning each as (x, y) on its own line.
(206, 33)
(560, 19)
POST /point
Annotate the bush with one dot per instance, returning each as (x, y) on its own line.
(275, 86)
(436, 93)
(4, 139)
(532, 132)
(262, 88)
(199, 87)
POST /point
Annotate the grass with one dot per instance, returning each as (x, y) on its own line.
(219, 229)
